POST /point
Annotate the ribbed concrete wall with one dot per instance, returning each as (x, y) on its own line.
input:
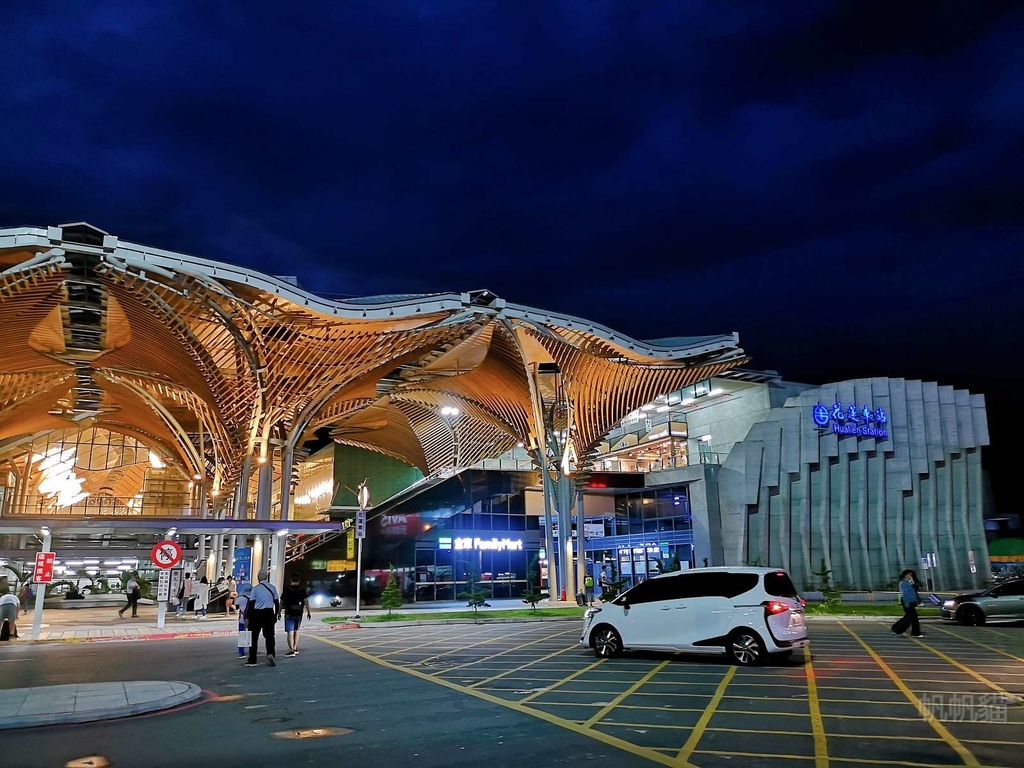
(792, 494)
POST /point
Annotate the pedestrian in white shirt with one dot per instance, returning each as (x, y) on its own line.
(132, 591)
(202, 593)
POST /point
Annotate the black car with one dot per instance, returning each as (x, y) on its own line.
(1002, 602)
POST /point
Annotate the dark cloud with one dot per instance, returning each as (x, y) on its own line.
(839, 182)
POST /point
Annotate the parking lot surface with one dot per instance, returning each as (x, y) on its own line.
(860, 697)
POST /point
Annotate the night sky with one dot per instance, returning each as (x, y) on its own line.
(842, 184)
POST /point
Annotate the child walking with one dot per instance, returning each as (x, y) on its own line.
(243, 632)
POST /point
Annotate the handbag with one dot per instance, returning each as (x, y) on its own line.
(244, 638)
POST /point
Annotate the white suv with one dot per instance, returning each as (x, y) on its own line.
(748, 613)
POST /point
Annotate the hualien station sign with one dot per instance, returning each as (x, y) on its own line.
(863, 421)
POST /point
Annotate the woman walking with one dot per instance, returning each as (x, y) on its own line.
(909, 599)
(202, 593)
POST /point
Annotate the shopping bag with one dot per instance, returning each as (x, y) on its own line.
(244, 638)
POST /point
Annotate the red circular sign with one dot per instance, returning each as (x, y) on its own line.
(166, 554)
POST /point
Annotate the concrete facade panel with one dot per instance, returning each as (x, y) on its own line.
(875, 508)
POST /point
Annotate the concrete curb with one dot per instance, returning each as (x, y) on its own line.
(134, 638)
(191, 693)
(349, 624)
(887, 619)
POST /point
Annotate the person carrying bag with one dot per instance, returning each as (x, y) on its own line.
(261, 614)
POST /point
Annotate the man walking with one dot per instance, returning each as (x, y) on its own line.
(263, 609)
(588, 588)
(909, 599)
(295, 600)
(132, 591)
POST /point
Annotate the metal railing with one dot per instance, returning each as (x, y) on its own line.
(103, 506)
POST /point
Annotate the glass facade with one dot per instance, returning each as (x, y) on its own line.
(474, 524)
(649, 532)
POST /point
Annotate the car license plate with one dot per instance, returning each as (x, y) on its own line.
(796, 618)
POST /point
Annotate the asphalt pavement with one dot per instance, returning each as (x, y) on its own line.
(498, 694)
(323, 707)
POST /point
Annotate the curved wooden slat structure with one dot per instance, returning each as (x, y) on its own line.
(218, 364)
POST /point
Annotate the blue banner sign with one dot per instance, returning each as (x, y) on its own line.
(243, 564)
(863, 421)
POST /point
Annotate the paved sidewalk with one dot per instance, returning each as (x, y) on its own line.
(144, 628)
(62, 704)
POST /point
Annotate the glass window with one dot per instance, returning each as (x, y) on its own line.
(779, 584)
(650, 591)
(1010, 589)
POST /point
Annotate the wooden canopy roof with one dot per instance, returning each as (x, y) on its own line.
(211, 363)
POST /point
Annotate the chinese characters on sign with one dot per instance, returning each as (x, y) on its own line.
(862, 421)
(43, 572)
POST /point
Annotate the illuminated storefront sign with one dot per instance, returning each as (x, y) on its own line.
(475, 543)
(864, 421)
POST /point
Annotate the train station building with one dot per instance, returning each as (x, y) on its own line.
(148, 394)
(152, 395)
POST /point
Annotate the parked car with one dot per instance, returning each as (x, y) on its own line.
(746, 613)
(1002, 602)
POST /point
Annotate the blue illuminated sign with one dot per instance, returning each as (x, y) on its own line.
(851, 420)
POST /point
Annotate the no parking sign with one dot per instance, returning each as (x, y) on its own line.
(166, 554)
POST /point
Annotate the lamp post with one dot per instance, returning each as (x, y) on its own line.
(363, 497)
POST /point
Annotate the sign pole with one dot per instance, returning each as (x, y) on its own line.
(363, 496)
(359, 580)
(165, 556)
(37, 617)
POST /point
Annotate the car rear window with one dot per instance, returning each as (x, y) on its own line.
(779, 584)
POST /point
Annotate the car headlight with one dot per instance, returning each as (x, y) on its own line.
(590, 613)
(949, 605)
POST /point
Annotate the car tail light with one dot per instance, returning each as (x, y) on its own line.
(773, 607)
(803, 603)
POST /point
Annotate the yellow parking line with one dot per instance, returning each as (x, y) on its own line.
(774, 755)
(705, 718)
(438, 637)
(622, 696)
(625, 746)
(751, 712)
(980, 678)
(983, 645)
(511, 650)
(457, 649)
(563, 681)
(949, 738)
(403, 638)
(653, 726)
(506, 674)
(867, 701)
(817, 726)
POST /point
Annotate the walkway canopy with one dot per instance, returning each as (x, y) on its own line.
(213, 366)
